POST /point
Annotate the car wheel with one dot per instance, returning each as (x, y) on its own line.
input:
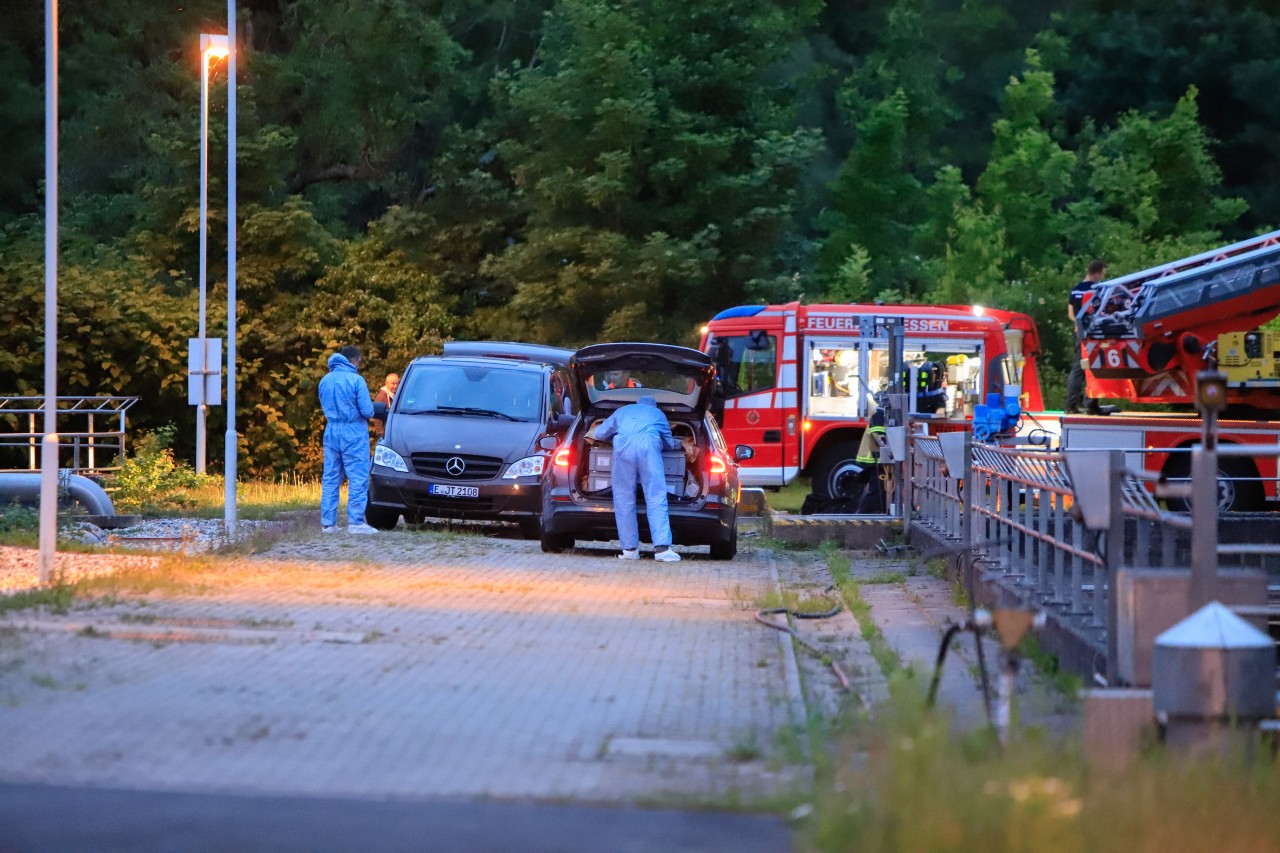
(555, 543)
(382, 519)
(727, 549)
(835, 473)
(531, 528)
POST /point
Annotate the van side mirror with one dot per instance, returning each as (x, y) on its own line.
(548, 443)
(743, 452)
(379, 411)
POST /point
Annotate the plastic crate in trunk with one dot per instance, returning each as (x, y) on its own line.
(600, 469)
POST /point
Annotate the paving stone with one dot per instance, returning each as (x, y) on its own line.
(470, 666)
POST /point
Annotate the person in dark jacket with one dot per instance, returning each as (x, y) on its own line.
(344, 396)
(1094, 273)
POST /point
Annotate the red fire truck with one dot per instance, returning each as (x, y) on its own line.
(1147, 334)
(800, 381)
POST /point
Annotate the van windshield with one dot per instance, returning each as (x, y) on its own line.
(450, 389)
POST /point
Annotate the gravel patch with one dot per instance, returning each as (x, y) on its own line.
(20, 567)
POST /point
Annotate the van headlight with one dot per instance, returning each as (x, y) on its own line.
(388, 458)
(530, 466)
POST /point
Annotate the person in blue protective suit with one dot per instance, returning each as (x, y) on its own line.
(344, 396)
(640, 433)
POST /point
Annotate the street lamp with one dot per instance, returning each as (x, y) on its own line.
(212, 48)
(229, 502)
(49, 445)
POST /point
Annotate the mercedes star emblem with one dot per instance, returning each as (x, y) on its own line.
(455, 466)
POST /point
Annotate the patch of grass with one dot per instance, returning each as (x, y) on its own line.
(789, 498)
(57, 597)
(797, 602)
(936, 568)
(904, 781)
(1046, 664)
(839, 565)
(883, 578)
(19, 525)
(165, 575)
(745, 748)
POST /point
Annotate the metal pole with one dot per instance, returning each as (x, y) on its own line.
(49, 446)
(1204, 491)
(233, 50)
(202, 409)
(1104, 579)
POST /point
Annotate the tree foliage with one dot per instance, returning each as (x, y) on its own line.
(569, 171)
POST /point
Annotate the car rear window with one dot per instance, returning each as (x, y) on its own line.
(451, 388)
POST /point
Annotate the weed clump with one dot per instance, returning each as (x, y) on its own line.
(151, 481)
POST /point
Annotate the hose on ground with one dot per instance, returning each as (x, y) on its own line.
(787, 629)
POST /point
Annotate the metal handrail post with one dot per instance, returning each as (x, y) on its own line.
(1211, 394)
(1105, 585)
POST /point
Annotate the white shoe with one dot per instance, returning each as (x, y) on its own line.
(667, 556)
(362, 529)
(330, 528)
(633, 554)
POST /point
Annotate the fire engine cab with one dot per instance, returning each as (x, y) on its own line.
(800, 382)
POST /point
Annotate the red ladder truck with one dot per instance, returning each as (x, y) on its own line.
(1146, 335)
(799, 381)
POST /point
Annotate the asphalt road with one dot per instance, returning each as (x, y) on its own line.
(45, 819)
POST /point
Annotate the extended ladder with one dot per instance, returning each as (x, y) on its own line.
(1212, 285)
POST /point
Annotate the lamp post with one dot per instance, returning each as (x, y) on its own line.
(212, 48)
(229, 501)
(49, 445)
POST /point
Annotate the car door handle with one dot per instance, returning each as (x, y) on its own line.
(773, 436)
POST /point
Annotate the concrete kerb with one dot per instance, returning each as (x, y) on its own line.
(851, 532)
(791, 668)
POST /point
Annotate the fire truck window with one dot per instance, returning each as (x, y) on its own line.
(747, 363)
(833, 380)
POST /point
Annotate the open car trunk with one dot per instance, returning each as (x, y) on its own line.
(684, 470)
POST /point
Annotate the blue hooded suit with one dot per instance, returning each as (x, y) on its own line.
(640, 433)
(344, 396)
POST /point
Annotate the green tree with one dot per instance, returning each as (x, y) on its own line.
(658, 163)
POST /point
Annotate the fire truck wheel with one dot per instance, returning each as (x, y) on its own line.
(1238, 487)
(835, 474)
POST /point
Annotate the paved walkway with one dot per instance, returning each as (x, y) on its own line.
(435, 666)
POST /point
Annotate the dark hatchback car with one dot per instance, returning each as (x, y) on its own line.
(462, 436)
(702, 491)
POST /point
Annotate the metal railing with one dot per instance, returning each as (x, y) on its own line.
(1047, 539)
(91, 432)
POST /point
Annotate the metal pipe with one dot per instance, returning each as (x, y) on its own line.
(27, 486)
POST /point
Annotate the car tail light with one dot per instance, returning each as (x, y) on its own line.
(562, 457)
(717, 464)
